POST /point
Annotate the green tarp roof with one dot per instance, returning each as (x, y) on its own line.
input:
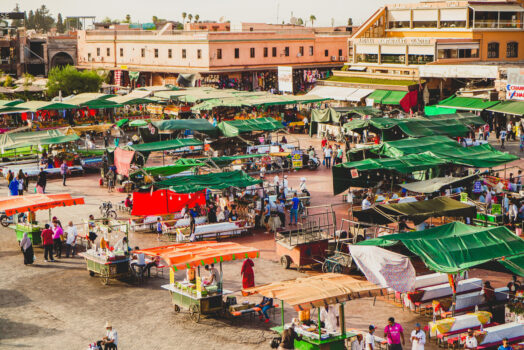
(185, 124)
(165, 145)
(438, 183)
(509, 107)
(122, 122)
(465, 118)
(467, 103)
(219, 161)
(34, 138)
(34, 106)
(236, 127)
(436, 110)
(165, 170)
(216, 181)
(400, 148)
(483, 156)
(456, 247)
(415, 211)
(4, 103)
(515, 264)
(387, 97)
(138, 123)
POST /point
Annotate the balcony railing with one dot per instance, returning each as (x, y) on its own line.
(493, 24)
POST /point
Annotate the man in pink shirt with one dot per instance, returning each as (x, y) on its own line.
(57, 239)
(394, 334)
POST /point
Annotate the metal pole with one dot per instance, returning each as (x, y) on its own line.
(282, 313)
(342, 320)
(319, 326)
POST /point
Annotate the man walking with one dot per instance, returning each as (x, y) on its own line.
(71, 239)
(63, 171)
(394, 334)
(47, 242)
(41, 181)
(58, 232)
(418, 338)
(294, 209)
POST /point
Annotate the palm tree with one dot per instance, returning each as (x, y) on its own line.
(350, 22)
(184, 15)
(190, 17)
(128, 18)
(300, 21)
(312, 18)
(197, 17)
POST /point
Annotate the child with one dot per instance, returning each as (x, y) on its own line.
(158, 227)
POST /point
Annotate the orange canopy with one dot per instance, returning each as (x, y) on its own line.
(186, 255)
(34, 202)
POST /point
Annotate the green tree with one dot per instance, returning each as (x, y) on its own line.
(184, 15)
(155, 19)
(73, 23)
(312, 19)
(30, 20)
(197, 17)
(190, 17)
(16, 22)
(69, 80)
(128, 19)
(300, 21)
(106, 20)
(60, 28)
(350, 22)
(43, 19)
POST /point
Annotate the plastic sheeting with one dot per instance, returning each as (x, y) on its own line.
(123, 160)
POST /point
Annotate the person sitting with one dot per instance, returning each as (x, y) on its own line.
(139, 260)
(233, 216)
(514, 286)
(403, 226)
(288, 338)
(489, 295)
(214, 275)
(264, 305)
(128, 203)
(110, 341)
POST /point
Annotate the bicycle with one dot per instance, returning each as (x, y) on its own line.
(107, 211)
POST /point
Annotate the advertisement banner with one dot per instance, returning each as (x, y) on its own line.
(285, 79)
(514, 92)
(296, 157)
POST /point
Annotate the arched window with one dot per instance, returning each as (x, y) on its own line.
(493, 50)
(512, 49)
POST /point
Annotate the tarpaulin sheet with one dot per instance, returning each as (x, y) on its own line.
(218, 161)
(455, 247)
(33, 202)
(201, 125)
(465, 118)
(187, 255)
(236, 127)
(216, 181)
(439, 183)
(167, 169)
(400, 148)
(123, 160)
(414, 127)
(384, 268)
(165, 145)
(508, 107)
(416, 211)
(164, 202)
(436, 110)
(515, 264)
(467, 103)
(317, 291)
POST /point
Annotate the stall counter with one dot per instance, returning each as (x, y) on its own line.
(33, 232)
(336, 342)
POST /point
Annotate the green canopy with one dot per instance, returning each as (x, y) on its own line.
(216, 181)
(509, 107)
(416, 211)
(483, 156)
(467, 103)
(326, 115)
(34, 106)
(387, 97)
(436, 110)
(91, 100)
(201, 125)
(34, 138)
(469, 119)
(165, 170)
(438, 183)
(122, 122)
(165, 145)
(378, 95)
(10, 103)
(400, 148)
(138, 123)
(456, 247)
(219, 161)
(236, 127)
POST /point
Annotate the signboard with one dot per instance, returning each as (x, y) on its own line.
(464, 197)
(11, 15)
(199, 286)
(496, 209)
(477, 187)
(285, 79)
(354, 173)
(514, 92)
(296, 158)
(516, 76)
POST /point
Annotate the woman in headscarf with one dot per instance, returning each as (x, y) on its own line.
(27, 249)
(248, 276)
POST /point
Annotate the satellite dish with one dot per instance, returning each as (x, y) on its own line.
(293, 21)
(221, 19)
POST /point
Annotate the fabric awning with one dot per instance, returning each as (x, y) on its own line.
(508, 107)
(416, 211)
(469, 119)
(166, 170)
(34, 106)
(438, 183)
(34, 202)
(455, 247)
(218, 161)
(515, 264)
(394, 97)
(497, 8)
(317, 291)
(340, 93)
(436, 110)
(165, 145)
(183, 256)
(466, 103)
(378, 95)
(216, 181)
(201, 125)
(236, 127)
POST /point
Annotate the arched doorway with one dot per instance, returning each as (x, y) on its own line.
(62, 59)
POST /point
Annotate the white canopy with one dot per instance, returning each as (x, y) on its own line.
(340, 93)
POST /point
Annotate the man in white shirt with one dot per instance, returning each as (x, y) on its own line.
(471, 342)
(329, 315)
(366, 203)
(370, 338)
(359, 343)
(418, 338)
(110, 341)
(71, 239)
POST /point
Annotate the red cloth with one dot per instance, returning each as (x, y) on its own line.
(123, 161)
(248, 275)
(47, 236)
(409, 101)
(164, 202)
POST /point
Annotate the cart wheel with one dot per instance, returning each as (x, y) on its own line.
(105, 281)
(91, 273)
(285, 261)
(177, 308)
(325, 267)
(194, 313)
(337, 268)
(111, 214)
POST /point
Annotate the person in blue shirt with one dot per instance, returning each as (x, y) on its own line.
(13, 187)
(265, 304)
(482, 198)
(505, 345)
(293, 213)
(159, 227)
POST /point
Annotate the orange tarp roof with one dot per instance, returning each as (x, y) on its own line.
(186, 255)
(34, 202)
(318, 291)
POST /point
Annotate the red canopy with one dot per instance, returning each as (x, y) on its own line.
(33, 202)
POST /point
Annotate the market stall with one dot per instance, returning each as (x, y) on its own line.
(309, 293)
(194, 293)
(31, 203)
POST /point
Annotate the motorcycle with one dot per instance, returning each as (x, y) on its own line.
(313, 162)
(5, 220)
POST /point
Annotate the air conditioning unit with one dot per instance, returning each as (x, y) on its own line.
(333, 58)
(342, 58)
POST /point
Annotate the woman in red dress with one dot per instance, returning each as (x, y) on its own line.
(248, 276)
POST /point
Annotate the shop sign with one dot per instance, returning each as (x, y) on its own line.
(464, 197)
(354, 173)
(514, 92)
(477, 187)
(285, 79)
(123, 67)
(496, 209)
(296, 158)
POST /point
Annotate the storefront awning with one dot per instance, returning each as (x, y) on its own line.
(508, 107)
(165, 145)
(34, 202)
(216, 181)
(34, 106)
(340, 93)
(467, 103)
(497, 8)
(234, 128)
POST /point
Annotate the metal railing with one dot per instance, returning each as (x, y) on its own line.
(493, 24)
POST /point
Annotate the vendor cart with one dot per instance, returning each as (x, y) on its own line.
(192, 293)
(107, 269)
(310, 293)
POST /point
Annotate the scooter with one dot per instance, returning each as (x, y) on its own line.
(8, 220)
(313, 162)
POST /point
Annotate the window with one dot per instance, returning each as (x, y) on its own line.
(340, 52)
(156, 53)
(121, 52)
(219, 54)
(266, 51)
(286, 51)
(301, 50)
(183, 53)
(252, 52)
(311, 51)
(326, 53)
(108, 52)
(143, 52)
(89, 57)
(98, 51)
(512, 49)
(493, 50)
(169, 53)
(237, 52)
(274, 52)
(199, 53)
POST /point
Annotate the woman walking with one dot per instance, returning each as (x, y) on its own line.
(27, 249)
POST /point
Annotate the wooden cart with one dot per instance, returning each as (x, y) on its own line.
(113, 269)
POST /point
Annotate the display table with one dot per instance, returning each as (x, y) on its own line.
(444, 290)
(311, 341)
(430, 280)
(33, 232)
(106, 269)
(494, 335)
(462, 322)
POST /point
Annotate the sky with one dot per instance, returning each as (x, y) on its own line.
(233, 10)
